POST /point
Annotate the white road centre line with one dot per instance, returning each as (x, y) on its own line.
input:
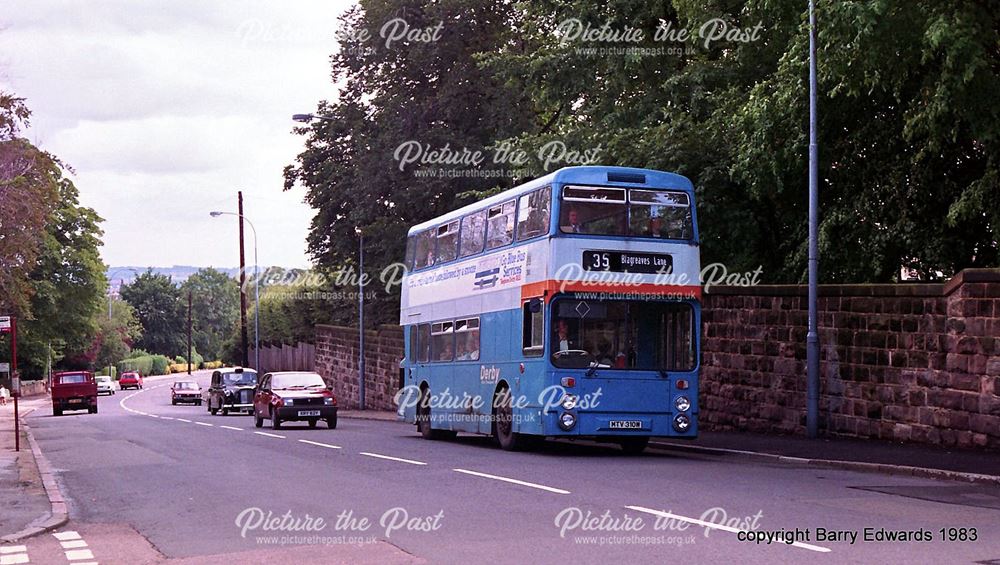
(513, 481)
(320, 444)
(79, 554)
(14, 559)
(166, 417)
(67, 535)
(73, 544)
(400, 459)
(204, 424)
(714, 526)
(152, 415)
(232, 428)
(269, 435)
(183, 420)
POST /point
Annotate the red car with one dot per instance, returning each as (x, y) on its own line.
(294, 396)
(130, 379)
(73, 390)
(185, 391)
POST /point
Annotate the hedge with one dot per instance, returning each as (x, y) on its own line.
(146, 365)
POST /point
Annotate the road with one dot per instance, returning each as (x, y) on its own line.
(147, 482)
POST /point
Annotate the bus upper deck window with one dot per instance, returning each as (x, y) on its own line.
(664, 214)
(473, 233)
(424, 253)
(447, 242)
(500, 225)
(533, 214)
(593, 210)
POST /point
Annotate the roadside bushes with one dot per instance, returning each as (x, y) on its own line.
(146, 365)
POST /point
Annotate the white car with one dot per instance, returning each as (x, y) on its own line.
(105, 384)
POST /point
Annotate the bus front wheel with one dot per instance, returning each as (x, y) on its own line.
(424, 419)
(503, 424)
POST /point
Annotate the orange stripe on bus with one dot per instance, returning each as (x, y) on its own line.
(549, 287)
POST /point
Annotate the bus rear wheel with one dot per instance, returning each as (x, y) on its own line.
(503, 424)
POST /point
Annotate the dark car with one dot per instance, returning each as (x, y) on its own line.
(130, 379)
(73, 390)
(232, 390)
(185, 391)
(294, 396)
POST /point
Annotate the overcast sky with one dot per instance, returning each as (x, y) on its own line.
(166, 109)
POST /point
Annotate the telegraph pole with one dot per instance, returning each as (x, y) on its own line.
(243, 290)
(190, 360)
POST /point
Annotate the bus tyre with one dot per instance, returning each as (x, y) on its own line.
(424, 419)
(503, 423)
(633, 445)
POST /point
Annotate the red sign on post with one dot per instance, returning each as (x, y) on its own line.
(4, 324)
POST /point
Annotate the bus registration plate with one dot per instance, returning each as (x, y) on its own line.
(626, 425)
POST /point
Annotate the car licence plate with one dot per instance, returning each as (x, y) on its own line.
(308, 413)
(75, 400)
(626, 425)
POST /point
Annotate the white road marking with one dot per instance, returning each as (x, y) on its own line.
(67, 535)
(204, 424)
(232, 428)
(152, 415)
(183, 420)
(5, 549)
(400, 459)
(269, 435)
(320, 444)
(166, 418)
(78, 554)
(513, 481)
(74, 544)
(714, 526)
(14, 559)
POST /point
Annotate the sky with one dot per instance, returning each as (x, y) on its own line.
(166, 109)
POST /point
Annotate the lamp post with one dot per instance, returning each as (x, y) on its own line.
(361, 318)
(812, 333)
(256, 287)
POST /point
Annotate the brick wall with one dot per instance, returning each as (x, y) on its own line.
(337, 360)
(914, 363)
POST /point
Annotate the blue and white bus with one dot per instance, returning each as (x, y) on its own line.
(566, 307)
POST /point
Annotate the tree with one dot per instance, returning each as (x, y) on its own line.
(216, 303)
(163, 315)
(433, 93)
(116, 335)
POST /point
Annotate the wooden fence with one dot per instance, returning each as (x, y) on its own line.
(300, 357)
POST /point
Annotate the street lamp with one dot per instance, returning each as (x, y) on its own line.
(306, 118)
(361, 318)
(812, 334)
(256, 288)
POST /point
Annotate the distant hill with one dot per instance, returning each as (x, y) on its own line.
(178, 273)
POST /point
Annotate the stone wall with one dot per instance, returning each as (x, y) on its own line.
(909, 362)
(337, 360)
(916, 362)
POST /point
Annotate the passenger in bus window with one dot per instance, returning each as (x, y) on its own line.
(655, 227)
(573, 222)
(446, 353)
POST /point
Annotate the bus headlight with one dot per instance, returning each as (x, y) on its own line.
(682, 423)
(569, 401)
(566, 421)
(682, 404)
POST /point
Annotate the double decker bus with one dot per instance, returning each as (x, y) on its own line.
(567, 307)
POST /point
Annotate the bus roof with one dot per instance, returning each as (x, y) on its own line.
(589, 175)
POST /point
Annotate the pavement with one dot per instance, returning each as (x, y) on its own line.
(28, 495)
(865, 455)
